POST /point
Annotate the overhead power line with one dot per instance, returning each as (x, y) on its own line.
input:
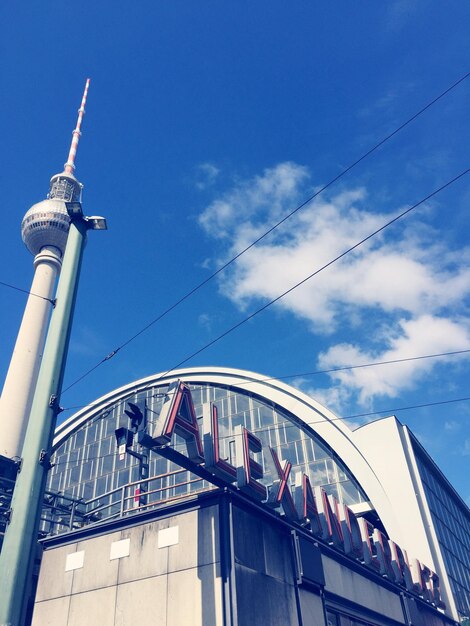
(327, 371)
(359, 366)
(345, 417)
(349, 417)
(406, 408)
(304, 280)
(29, 293)
(269, 231)
(321, 269)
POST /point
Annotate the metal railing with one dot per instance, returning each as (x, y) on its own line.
(62, 513)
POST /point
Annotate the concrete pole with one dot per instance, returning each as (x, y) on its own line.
(21, 537)
(20, 382)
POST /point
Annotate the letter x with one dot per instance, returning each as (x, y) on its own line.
(280, 492)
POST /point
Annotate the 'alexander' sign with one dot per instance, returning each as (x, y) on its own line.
(305, 504)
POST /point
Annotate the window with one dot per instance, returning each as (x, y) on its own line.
(332, 618)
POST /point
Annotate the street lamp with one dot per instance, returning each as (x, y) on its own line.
(93, 222)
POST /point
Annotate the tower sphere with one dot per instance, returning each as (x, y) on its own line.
(46, 224)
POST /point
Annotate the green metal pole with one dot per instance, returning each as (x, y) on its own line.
(21, 536)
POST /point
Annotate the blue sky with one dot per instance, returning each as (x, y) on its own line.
(206, 123)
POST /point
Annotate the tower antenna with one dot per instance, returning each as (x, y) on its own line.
(70, 165)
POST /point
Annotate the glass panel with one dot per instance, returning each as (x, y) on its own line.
(243, 402)
(451, 524)
(349, 492)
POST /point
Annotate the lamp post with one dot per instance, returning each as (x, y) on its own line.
(20, 541)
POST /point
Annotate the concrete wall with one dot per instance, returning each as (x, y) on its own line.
(353, 587)
(163, 573)
(168, 572)
(263, 572)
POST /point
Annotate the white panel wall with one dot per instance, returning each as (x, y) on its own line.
(381, 442)
(165, 572)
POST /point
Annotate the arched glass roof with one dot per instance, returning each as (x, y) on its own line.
(88, 468)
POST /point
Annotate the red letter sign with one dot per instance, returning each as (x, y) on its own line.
(178, 415)
(327, 508)
(306, 505)
(248, 470)
(351, 532)
(279, 492)
(214, 463)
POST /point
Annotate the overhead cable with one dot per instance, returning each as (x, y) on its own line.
(359, 366)
(270, 230)
(29, 293)
(327, 371)
(321, 269)
(304, 280)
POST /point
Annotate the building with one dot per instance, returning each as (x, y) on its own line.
(441, 522)
(216, 496)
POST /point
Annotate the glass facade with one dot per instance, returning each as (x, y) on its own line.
(452, 525)
(87, 465)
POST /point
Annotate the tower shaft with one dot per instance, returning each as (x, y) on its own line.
(20, 382)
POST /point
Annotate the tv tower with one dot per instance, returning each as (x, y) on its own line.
(44, 231)
(54, 230)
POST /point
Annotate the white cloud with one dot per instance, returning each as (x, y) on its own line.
(400, 291)
(423, 335)
(335, 398)
(268, 193)
(206, 174)
(409, 274)
(205, 320)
